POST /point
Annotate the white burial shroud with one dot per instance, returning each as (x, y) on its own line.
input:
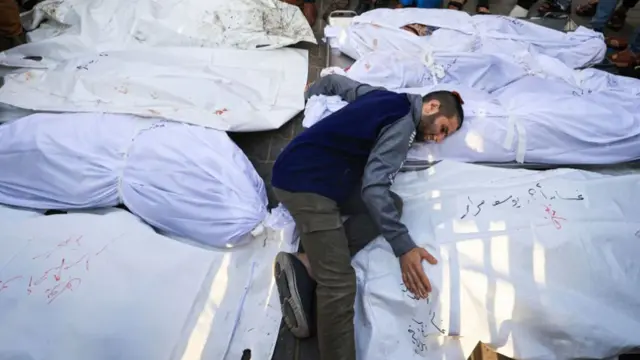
(103, 285)
(457, 31)
(490, 73)
(191, 61)
(77, 27)
(185, 180)
(535, 113)
(538, 265)
(224, 89)
(558, 126)
(531, 128)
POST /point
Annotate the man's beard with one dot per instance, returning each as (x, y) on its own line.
(426, 127)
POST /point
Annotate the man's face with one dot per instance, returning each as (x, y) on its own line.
(417, 29)
(435, 126)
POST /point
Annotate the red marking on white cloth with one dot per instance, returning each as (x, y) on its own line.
(60, 245)
(57, 290)
(554, 219)
(4, 284)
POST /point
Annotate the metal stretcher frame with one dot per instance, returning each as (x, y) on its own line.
(343, 18)
(340, 18)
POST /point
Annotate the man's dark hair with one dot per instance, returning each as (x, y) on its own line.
(450, 104)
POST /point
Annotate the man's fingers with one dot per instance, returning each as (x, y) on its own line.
(423, 280)
(409, 282)
(413, 283)
(420, 288)
(427, 256)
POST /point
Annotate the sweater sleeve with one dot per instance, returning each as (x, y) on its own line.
(384, 162)
(333, 84)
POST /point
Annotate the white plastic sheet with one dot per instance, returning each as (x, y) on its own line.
(90, 26)
(180, 60)
(103, 285)
(185, 180)
(457, 31)
(538, 265)
(224, 89)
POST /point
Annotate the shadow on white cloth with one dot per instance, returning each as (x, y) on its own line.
(103, 285)
(185, 180)
(538, 265)
(9, 112)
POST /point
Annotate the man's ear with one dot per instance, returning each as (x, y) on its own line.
(430, 107)
(434, 105)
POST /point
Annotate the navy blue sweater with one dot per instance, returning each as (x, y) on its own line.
(329, 158)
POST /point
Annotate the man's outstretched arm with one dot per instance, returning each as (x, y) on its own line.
(385, 160)
(333, 84)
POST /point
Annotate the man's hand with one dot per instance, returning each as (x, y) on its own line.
(413, 274)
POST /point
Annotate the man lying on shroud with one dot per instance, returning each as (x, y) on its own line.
(345, 165)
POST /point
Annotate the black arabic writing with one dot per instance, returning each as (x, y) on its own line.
(408, 293)
(418, 332)
(533, 192)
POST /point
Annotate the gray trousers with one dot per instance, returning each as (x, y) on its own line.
(329, 245)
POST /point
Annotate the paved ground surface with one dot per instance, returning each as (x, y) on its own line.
(263, 148)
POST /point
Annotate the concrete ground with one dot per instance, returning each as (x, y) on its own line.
(263, 148)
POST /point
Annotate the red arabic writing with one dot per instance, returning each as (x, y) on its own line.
(57, 290)
(5, 284)
(56, 274)
(554, 218)
(61, 244)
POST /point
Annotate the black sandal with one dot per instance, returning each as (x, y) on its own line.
(552, 7)
(456, 5)
(617, 21)
(588, 9)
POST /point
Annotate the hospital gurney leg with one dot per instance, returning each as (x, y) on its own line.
(342, 19)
